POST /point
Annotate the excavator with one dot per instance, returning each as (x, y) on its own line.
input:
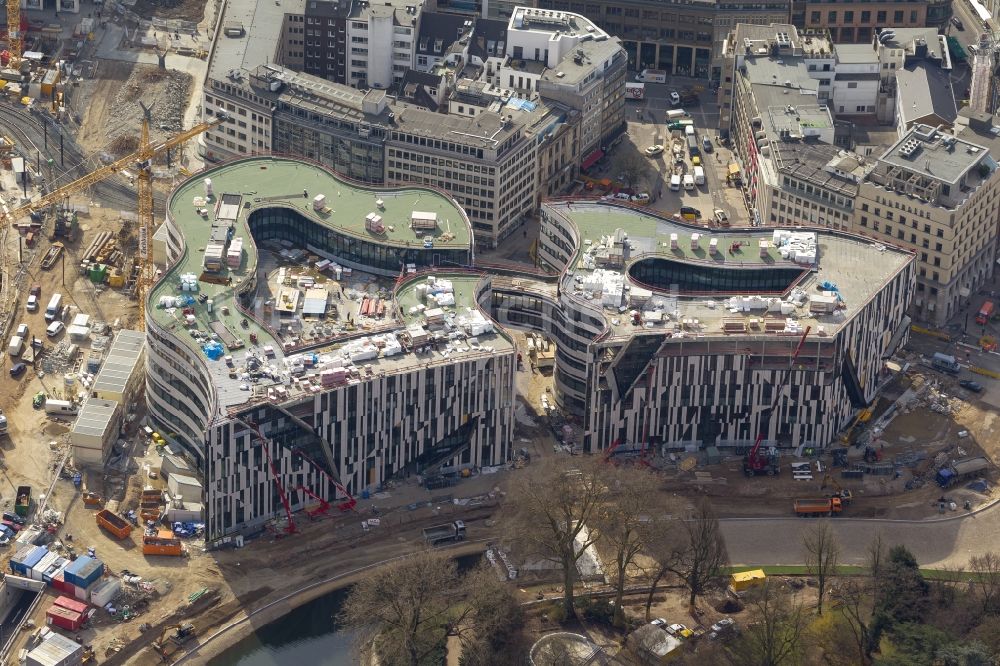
(845, 495)
(182, 633)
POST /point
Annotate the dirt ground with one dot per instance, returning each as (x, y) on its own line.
(186, 10)
(113, 126)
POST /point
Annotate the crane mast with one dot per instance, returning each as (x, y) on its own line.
(14, 39)
(142, 160)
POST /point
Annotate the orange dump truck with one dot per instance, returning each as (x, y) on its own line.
(118, 526)
(159, 545)
(828, 506)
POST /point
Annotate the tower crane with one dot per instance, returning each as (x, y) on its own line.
(142, 160)
(757, 462)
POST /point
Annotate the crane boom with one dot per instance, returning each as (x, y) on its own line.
(264, 442)
(754, 460)
(348, 503)
(108, 170)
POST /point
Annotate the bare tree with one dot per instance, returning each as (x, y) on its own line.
(554, 513)
(659, 536)
(774, 638)
(986, 580)
(877, 554)
(631, 168)
(404, 611)
(621, 522)
(700, 552)
(854, 606)
(821, 551)
(491, 634)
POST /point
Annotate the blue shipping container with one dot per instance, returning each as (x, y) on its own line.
(15, 562)
(34, 557)
(84, 571)
(69, 575)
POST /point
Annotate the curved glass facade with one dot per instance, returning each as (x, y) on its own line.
(665, 274)
(278, 223)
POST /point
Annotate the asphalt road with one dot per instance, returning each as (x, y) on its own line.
(945, 543)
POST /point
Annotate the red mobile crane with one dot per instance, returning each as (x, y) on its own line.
(321, 510)
(758, 462)
(290, 527)
(349, 503)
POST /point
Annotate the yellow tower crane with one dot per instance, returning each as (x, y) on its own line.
(14, 32)
(142, 160)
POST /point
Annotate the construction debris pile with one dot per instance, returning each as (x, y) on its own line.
(164, 92)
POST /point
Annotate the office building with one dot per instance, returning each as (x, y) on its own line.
(669, 336)
(270, 339)
(935, 193)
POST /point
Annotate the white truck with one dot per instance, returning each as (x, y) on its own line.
(635, 90)
(16, 346)
(699, 175)
(52, 311)
(652, 76)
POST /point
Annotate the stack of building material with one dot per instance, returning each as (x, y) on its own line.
(234, 257)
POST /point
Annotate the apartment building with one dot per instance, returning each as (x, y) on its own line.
(381, 40)
(937, 194)
(320, 39)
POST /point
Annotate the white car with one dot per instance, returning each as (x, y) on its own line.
(54, 329)
(22, 331)
(675, 97)
(642, 197)
(679, 631)
(653, 151)
(659, 622)
(622, 196)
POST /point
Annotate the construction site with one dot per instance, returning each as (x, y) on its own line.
(107, 563)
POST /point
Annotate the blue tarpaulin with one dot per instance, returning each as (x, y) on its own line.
(213, 350)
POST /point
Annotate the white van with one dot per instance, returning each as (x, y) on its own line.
(699, 175)
(675, 182)
(60, 407)
(32, 305)
(54, 329)
(16, 346)
(689, 130)
(688, 181)
(676, 114)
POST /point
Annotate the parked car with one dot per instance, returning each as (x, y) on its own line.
(659, 622)
(36, 290)
(706, 144)
(12, 525)
(18, 369)
(54, 329)
(675, 98)
(679, 631)
(970, 385)
(653, 151)
(14, 518)
(642, 198)
(32, 304)
(22, 331)
(721, 628)
(957, 22)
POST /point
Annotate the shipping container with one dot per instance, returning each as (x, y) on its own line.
(81, 593)
(20, 554)
(104, 592)
(56, 650)
(31, 559)
(116, 525)
(64, 618)
(55, 569)
(72, 604)
(84, 571)
(39, 568)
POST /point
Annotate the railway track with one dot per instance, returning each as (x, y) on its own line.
(29, 132)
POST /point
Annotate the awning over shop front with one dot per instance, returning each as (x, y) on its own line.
(591, 159)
